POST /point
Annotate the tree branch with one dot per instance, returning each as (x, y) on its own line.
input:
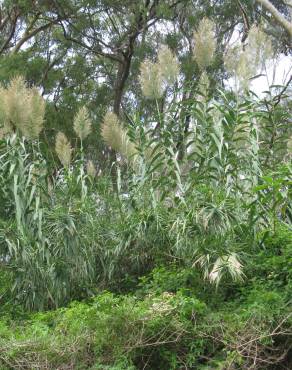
(11, 34)
(29, 35)
(277, 15)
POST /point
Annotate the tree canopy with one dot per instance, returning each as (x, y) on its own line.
(145, 185)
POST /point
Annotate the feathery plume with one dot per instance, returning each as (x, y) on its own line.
(22, 108)
(205, 43)
(32, 128)
(82, 123)
(63, 149)
(90, 169)
(237, 63)
(168, 64)
(259, 48)
(2, 109)
(5, 127)
(151, 80)
(244, 71)
(231, 59)
(115, 136)
(111, 130)
(16, 102)
(245, 64)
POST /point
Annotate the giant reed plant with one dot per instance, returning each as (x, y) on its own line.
(47, 227)
(202, 206)
(191, 187)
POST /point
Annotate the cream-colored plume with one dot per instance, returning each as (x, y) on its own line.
(247, 63)
(205, 43)
(63, 149)
(33, 126)
(22, 108)
(168, 64)
(82, 124)
(151, 80)
(90, 169)
(116, 137)
(15, 99)
(155, 77)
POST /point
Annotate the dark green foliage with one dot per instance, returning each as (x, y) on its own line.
(164, 325)
(271, 267)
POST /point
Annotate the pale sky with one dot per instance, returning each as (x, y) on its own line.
(278, 73)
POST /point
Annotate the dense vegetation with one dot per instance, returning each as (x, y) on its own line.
(145, 189)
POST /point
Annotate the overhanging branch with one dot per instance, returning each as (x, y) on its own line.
(277, 15)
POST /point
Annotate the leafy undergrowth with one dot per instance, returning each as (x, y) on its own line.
(172, 321)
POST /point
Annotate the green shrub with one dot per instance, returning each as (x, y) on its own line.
(109, 331)
(155, 329)
(271, 266)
